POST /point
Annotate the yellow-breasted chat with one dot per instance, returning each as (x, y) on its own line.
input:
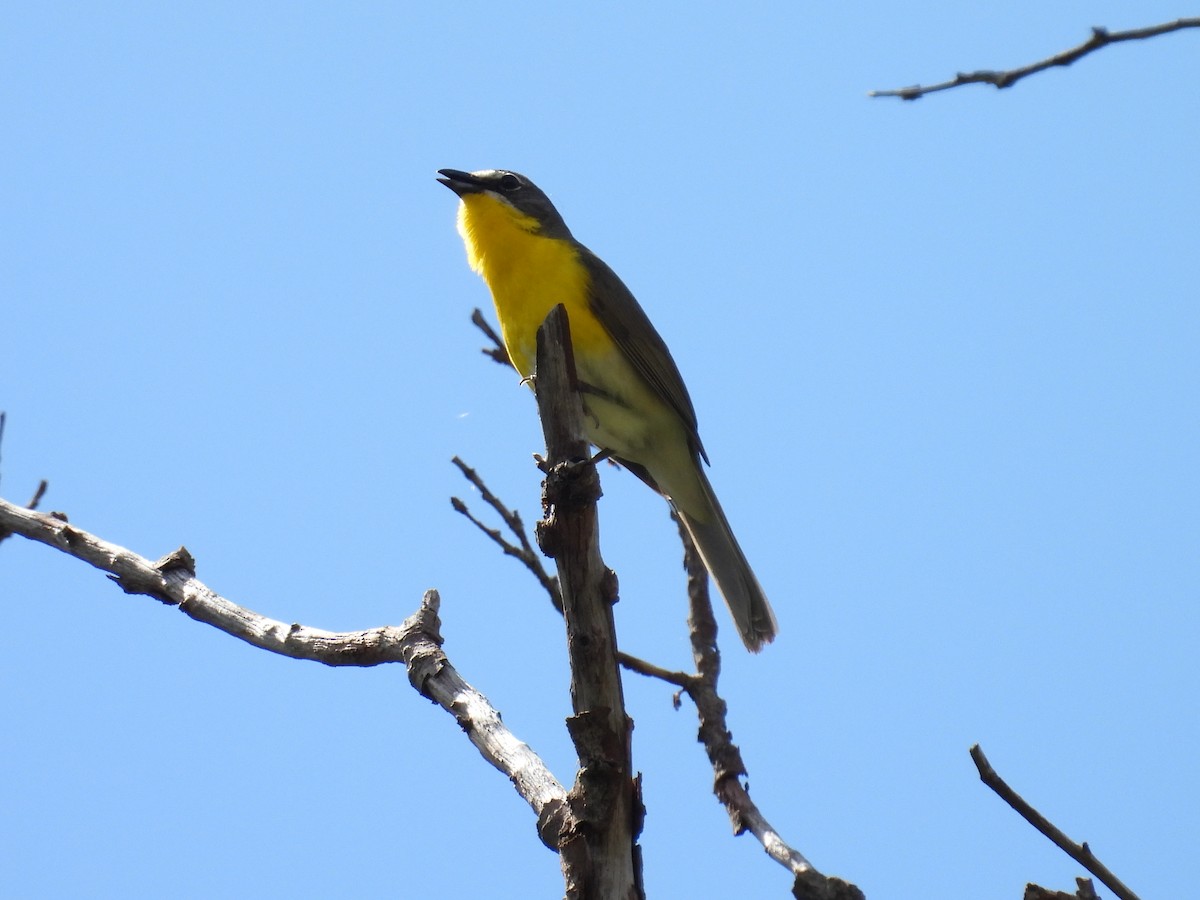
(636, 406)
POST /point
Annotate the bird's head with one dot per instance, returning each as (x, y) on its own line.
(499, 192)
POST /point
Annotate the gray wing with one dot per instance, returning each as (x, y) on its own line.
(629, 327)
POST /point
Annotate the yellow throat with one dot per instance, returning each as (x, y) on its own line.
(528, 274)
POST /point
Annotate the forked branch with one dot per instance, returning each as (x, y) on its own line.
(416, 643)
(522, 550)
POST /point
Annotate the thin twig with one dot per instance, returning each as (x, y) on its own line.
(498, 352)
(1081, 853)
(38, 493)
(532, 560)
(1101, 37)
(512, 519)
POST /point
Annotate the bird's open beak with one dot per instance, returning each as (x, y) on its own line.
(462, 183)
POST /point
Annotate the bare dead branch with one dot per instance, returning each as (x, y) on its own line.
(498, 352)
(523, 550)
(701, 687)
(729, 770)
(1081, 853)
(725, 756)
(603, 859)
(432, 674)
(1101, 37)
(416, 643)
(172, 581)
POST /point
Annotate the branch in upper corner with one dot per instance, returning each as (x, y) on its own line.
(512, 519)
(1101, 37)
(1081, 853)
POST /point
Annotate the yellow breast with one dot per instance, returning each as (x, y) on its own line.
(528, 275)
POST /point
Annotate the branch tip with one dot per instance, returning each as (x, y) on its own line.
(1081, 853)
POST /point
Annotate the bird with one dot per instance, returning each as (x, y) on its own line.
(636, 407)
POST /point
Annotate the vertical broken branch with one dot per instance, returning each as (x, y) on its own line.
(602, 859)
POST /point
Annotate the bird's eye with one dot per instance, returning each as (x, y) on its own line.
(509, 182)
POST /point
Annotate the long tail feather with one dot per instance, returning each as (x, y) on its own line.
(727, 564)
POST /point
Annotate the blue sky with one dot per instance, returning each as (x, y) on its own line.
(943, 356)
